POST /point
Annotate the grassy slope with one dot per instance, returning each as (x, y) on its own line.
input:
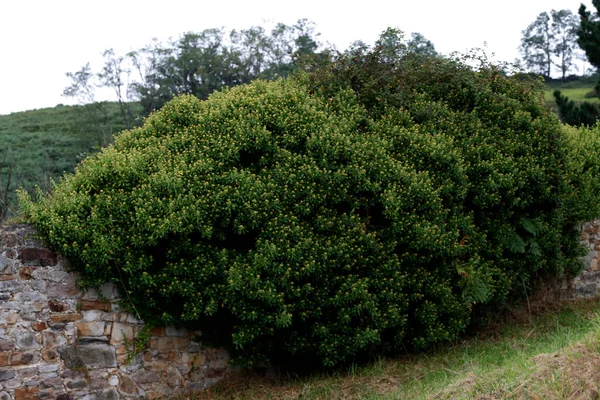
(40, 145)
(554, 355)
(575, 90)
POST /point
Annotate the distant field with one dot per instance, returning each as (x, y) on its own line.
(575, 90)
(40, 145)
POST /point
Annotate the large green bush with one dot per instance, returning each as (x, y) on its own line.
(367, 207)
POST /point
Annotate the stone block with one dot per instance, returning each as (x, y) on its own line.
(6, 344)
(56, 383)
(176, 331)
(128, 387)
(8, 238)
(18, 358)
(29, 296)
(109, 394)
(39, 326)
(64, 289)
(6, 374)
(27, 394)
(49, 355)
(121, 332)
(164, 343)
(6, 265)
(53, 339)
(27, 341)
(5, 396)
(57, 306)
(142, 376)
(158, 331)
(13, 383)
(90, 328)
(38, 256)
(86, 305)
(26, 273)
(109, 291)
(76, 384)
(28, 372)
(4, 359)
(69, 317)
(48, 368)
(11, 286)
(94, 355)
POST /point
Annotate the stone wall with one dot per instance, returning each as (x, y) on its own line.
(57, 342)
(587, 284)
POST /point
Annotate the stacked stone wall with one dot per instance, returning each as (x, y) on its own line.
(587, 284)
(58, 342)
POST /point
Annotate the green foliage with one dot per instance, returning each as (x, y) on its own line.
(364, 208)
(583, 113)
(199, 63)
(588, 33)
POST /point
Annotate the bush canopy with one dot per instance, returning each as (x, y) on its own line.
(369, 206)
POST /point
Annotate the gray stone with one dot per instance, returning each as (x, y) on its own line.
(4, 296)
(110, 394)
(63, 289)
(27, 372)
(76, 384)
(110, 291)
(142, 376)
(38, 256)
(27, 341)
(6, 265)
(6, 345)
(57, 326)
(12, 286)
(6, 374)
(176, 331)
(12, 384)
(92, 339)
(29, 296)
(5, 396)
(94, 355)
(49, 367)
(56, 383)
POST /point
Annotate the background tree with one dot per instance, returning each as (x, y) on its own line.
(588, 38)
(536, 45)
(200, 63)
(588, 34)
(419, 44)
(564, 39)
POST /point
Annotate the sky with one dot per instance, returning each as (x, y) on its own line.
(41, 40)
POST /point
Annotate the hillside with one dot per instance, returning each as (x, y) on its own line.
(40, 145)
(575, 90)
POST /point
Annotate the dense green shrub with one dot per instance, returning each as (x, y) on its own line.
(364, 208)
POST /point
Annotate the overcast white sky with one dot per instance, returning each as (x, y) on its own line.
(40, 40)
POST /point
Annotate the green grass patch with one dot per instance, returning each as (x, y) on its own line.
(574, 90)
(41, 145)
(552, 355)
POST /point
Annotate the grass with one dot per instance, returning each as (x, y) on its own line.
(40, 145)
(574, 90)
(547, 355)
